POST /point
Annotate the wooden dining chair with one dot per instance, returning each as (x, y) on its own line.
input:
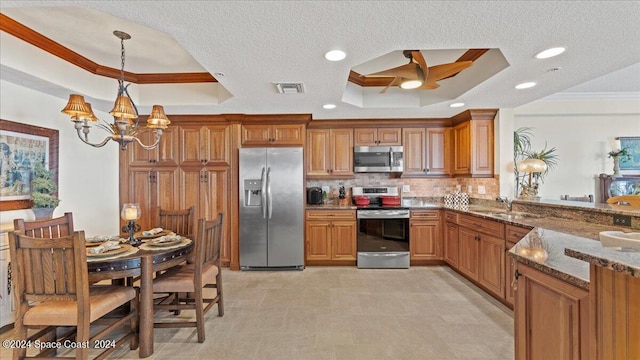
(52, 289)
(193, 278)
(180, 221)
(48, 228)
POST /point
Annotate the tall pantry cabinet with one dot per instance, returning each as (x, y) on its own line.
(190, 167)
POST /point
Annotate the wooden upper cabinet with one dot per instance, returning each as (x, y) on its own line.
(378, 136)
(473, 148)
(329, 152)
(204, 145)
(414, 151)
(166, 154)
(427, 151)
(273, 135)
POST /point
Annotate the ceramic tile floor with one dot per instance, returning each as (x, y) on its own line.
(337, 313)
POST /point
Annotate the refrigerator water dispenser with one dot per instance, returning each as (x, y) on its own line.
(252, 192)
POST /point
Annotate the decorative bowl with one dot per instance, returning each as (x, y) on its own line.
(620, 239)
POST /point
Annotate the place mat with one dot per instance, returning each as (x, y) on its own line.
(139, 235)
(120, 250)
(130, 251)
(164, 243)
(183, 242)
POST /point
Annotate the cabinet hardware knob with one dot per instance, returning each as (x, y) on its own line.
(516, 274)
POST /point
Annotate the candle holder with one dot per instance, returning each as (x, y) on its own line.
(131, 213)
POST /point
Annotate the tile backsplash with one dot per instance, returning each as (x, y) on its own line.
(435, 187)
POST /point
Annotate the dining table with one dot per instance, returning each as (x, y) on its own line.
(142, 263)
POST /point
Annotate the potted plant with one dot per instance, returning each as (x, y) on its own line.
(43, 192)
(521, 152)
(617, 155)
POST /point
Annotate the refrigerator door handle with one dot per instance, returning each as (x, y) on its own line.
(269, 200)
(263, 194)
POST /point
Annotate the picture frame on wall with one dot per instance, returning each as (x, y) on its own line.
(21, 147)
(632, 145)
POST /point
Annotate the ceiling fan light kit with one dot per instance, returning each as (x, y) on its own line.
(411, 84)
(125, 128)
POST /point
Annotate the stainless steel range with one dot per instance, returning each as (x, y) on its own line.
(383, 230)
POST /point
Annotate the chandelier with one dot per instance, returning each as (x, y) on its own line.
(125, 128)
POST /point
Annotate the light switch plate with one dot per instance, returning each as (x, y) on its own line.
(406, 188)
(482, 189)
(469, 189)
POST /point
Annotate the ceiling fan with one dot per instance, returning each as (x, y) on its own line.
(417, 75)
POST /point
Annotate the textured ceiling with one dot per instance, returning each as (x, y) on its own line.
(256, 43)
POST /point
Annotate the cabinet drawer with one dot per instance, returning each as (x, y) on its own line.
(425, 214)
(451, 217)
(331, 214)
(482, 225)
(515, 233)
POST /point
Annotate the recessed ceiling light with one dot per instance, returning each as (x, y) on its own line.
(454, 105)
(329, 106)
(335, 55)
(525, 85)
(550, 53)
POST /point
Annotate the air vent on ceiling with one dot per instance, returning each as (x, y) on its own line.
(290, 88)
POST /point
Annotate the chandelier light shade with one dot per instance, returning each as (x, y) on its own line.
(125, 127)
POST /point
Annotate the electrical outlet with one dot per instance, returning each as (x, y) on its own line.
(622, 220)
(406, 188)
(469, 189)
(482, 190)
(459, 187)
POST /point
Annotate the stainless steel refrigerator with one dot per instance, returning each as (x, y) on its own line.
(271, 208)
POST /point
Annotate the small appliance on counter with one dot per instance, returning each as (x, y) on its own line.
(314, 195)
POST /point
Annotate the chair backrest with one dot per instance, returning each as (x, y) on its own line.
(47, 228)
(585, 198)
(50, 269)
(181, 222)
(207, 248)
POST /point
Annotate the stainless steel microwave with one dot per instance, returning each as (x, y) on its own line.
(378, 159)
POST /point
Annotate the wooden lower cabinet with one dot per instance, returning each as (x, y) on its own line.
(426, 235)
(491, 264)
(509, 269)
(551, 318)
(151, 188)
(468, 252)
(330, 235)
(451, 244)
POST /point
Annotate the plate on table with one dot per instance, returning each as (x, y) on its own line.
(165, 243)
(123, 248)
(139, 235)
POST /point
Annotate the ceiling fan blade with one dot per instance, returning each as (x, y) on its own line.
(439, 72)
(406, 71)
(429, 86)
(395, 82)
(419, 59)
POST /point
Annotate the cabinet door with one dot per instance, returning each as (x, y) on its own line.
(193, 146)
(438, 147)
(343, 240)
(451, 244)
(551, 318)
(253, 135)
(424, 237)
(215, 189)
(414, 151)
(341, 152)
(482, 149)
(468, 253)
(491, 264)
(509, 292)
(318, 152)
(389, 136)
(289, 135)
(216, 141)
(318, 240)
(140, 191)
(166, 154)
(165, 185)
(462, 149)
(365, 137)
(192, 192)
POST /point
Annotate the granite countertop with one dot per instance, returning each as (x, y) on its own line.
(611, 258)
(330, 207)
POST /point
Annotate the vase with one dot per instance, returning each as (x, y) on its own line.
(43, 213)
(616, 166)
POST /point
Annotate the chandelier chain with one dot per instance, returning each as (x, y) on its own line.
(122, 57)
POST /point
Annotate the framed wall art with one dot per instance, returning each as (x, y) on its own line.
(21, 147)
(632, 145)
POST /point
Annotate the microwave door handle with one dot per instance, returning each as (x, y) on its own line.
(263, 194)
(390, 158)
(269, 199)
